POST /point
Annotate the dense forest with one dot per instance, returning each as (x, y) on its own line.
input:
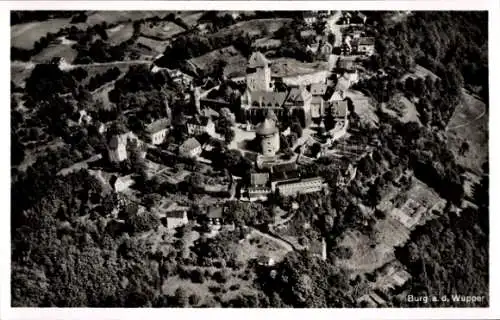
(452, 44)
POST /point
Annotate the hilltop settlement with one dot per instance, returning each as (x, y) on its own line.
(248, 158)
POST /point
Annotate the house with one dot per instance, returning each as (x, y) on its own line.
(214, 216)
(366, 45)
(296, 186)
(318, 89)
(117, 146)
(120, 184)
(259, 185)
(309, 17)
(318, 248)
(178, 77)
(190, 148)
(157, 131)
(338, 109)
(265, 261)
(324, 48)
(266, 44)
(199, 125)
(172, 214)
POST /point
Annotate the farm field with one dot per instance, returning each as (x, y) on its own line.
(112, 17)
(25, 35)
(469, 123)
(120, 33)
(289, 67)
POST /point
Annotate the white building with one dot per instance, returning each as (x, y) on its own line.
(158, 130)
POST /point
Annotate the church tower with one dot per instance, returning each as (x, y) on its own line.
(259, 73)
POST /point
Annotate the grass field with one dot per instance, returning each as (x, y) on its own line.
(112, 17)
(120, 33)
(163, 30)
(56, 50)
(190, 17)
(420, 72)
(469, 123)
(25, 35)
(253, 27)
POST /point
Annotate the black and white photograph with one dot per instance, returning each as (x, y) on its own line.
(333, 158)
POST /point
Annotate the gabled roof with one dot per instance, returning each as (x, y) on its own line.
(258, 60)
(158, 125)
(318, 89)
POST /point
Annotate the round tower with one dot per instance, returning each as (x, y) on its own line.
(269, 135)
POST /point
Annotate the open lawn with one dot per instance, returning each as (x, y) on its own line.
(469, 123)
(120, 33)
(286, 67)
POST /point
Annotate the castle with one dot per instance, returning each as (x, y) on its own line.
(260, 97)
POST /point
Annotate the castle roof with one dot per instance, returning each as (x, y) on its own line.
(258, 60)
(269, 98)
(266, 127)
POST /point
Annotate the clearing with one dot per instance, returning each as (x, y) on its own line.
(400, 107)
(190, 17)
(363, 107)
(469, 123)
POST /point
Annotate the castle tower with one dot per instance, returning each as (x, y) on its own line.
(259, 73)
(269, 134)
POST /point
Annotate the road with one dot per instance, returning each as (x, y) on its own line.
(68, 66)
(335, 28)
